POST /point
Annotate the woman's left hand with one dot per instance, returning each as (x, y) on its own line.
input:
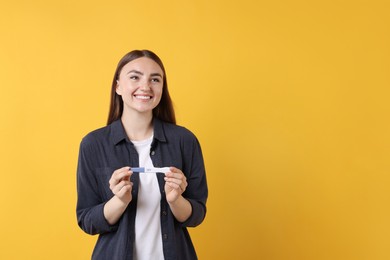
(175, 184)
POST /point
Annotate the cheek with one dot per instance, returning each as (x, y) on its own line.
(158, 93)
(125, 89)
(122, 87)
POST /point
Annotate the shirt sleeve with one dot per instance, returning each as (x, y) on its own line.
(89, 210)
(197, 191)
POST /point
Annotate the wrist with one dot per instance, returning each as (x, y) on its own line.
(177, 202)
(120, 202)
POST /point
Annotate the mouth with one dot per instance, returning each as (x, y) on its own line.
(143, 97)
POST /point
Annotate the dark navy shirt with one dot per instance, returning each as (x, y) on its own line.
(107, 149)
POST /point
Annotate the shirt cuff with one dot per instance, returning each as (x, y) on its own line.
(197, 216)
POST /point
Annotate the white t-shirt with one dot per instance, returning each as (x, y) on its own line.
(148, 241)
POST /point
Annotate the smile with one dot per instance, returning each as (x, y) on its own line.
(142, 97)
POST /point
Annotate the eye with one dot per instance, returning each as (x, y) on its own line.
(157, 80)
(134, 77)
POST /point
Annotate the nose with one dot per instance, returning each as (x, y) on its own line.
(144, 85)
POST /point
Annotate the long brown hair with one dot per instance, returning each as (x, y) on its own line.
(163, 111)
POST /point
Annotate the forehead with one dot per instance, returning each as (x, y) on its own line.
(144, 65)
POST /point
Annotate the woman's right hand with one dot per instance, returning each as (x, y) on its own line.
(121, 185)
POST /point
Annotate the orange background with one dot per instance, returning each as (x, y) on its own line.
(289, 99)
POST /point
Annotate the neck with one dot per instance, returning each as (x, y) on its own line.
(138, 127)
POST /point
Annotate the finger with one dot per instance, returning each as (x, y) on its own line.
(177, 183)
(175, 170)
(125, 189)
(174, 186)
(117, 188)
(119, 174)
(175, 175)
(182, 183)
(174, 180)
(123, 169)
(113, 181)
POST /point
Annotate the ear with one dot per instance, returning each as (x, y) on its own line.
(118, 89)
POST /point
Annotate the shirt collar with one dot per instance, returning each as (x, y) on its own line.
(158, 129)
(118, 133)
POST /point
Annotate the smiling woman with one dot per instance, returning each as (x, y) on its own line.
(140, 85)
(141, 215)
(164, 109)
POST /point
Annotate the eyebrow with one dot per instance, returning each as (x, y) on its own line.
(140, 73)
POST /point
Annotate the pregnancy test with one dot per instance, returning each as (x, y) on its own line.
(153, 169)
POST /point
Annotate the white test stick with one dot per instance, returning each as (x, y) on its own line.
(153, 169)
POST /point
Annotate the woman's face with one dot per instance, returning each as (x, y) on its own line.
(140, 84)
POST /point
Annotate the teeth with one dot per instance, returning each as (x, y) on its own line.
(142, 97)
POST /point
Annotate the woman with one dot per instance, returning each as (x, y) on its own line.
(141, 215)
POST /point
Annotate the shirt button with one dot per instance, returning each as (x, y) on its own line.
(164, 213)
(152, 153)
(165, 236)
